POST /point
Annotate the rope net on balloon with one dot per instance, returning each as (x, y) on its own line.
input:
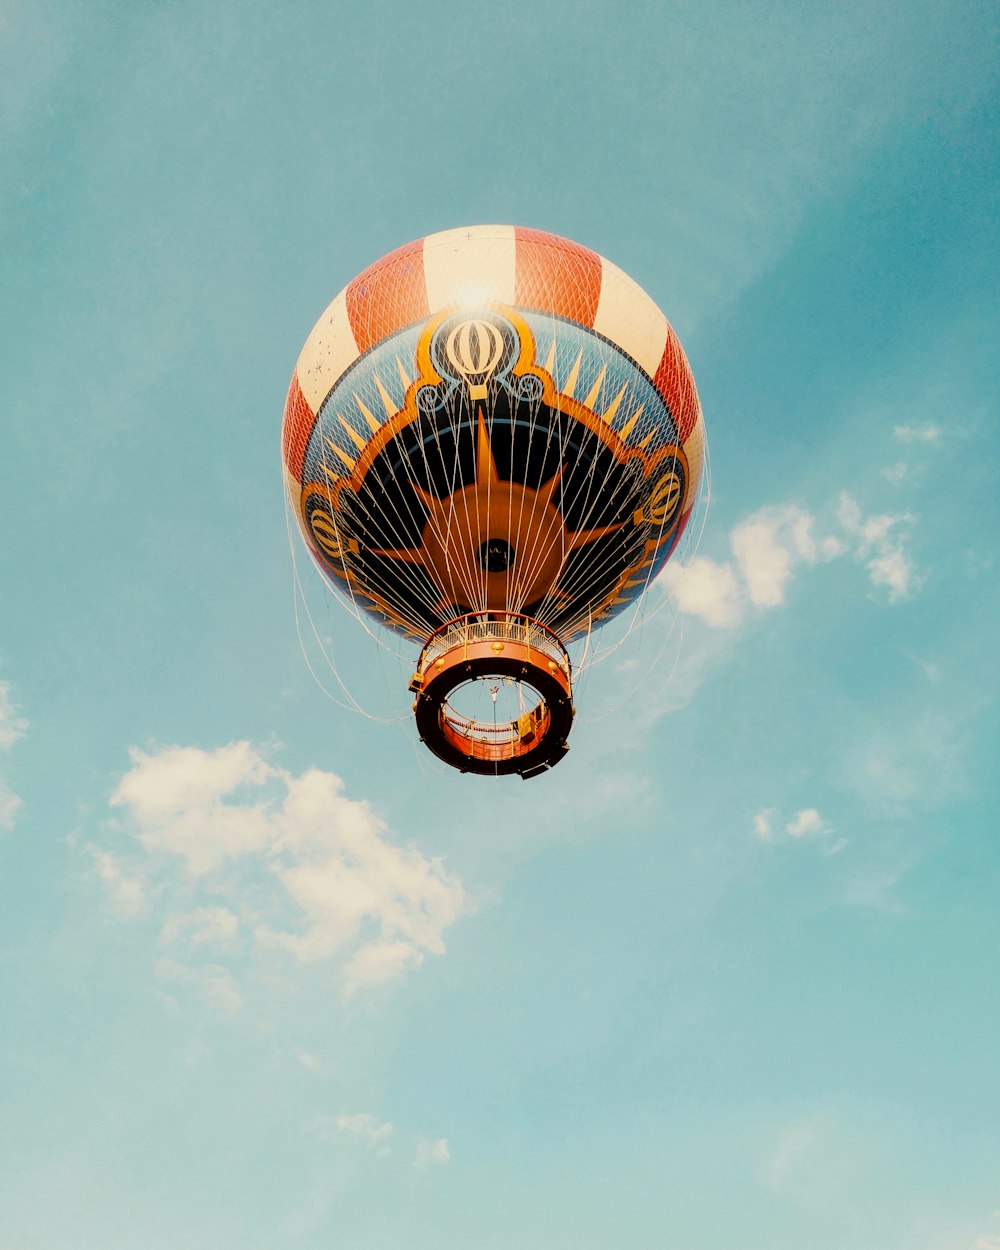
(491, 426)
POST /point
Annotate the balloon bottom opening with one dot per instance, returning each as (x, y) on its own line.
(494, 695)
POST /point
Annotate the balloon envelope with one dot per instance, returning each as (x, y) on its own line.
(492, 443)
(492, 418)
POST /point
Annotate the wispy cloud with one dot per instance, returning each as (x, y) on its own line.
(880, 542)
(205, 926)
(705, 589)
(874, 889)
(124, 886)
(370, 1130)
(815, 1161)
(13, 727)
(929, 433)
(328, 883)
(430, 1153)
(770, 546)
(215, 984)
(807, 824)
(908, 761)
(307, 1059)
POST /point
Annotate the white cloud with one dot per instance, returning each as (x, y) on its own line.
(880, 542)
(929, 433)
(126, 889)
(704, 589)
(215, 984)
(206, 926)
(795, 1144)
(10, 805)
(13, 727)
(367, 1127)
(307, 1059)
(431, 1152)
(177, 797)
(767, 546)
(379, 962)
(807, 823)
(894, 570)
(327, 883)
(772, 544)
(816, 1161)
(873, 889)
(912, 760)
(217, 987)
(896, 473)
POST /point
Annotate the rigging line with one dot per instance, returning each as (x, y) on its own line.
(648, 609)
(477, 577)
(459, 570)
(518, 572)
(398, 525)
(442, 527)
(300, 596)
(641, 612)
(346, 586)
(601, 577)
(564, 426)
(691, 539)
(612, 464)
(523, 571)
(586, 485)
(303, 597)
(534, 557)
(349, 593)
(571, 589)
(642, 681)
(408, 571)
(690, 543)
(539, 554)
(352, 574)
(549, 605)
(579, 588)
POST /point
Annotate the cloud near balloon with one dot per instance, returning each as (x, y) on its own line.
(770, 546)
(235, 857)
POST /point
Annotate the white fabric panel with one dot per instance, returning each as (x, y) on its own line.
(489, 252)
(327, 353)
(627, 316)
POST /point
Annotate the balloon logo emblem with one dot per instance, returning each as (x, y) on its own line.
(475, 348)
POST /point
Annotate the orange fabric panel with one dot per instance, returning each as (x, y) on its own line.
(674, 382)
(297, 427)
(388, 295)
(556, 275)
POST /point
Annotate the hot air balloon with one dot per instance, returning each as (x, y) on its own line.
(492, 443)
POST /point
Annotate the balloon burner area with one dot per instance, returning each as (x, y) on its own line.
(493, 695)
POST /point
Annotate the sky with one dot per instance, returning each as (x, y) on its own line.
(729, 976)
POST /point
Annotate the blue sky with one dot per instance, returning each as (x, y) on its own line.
(728, 976)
